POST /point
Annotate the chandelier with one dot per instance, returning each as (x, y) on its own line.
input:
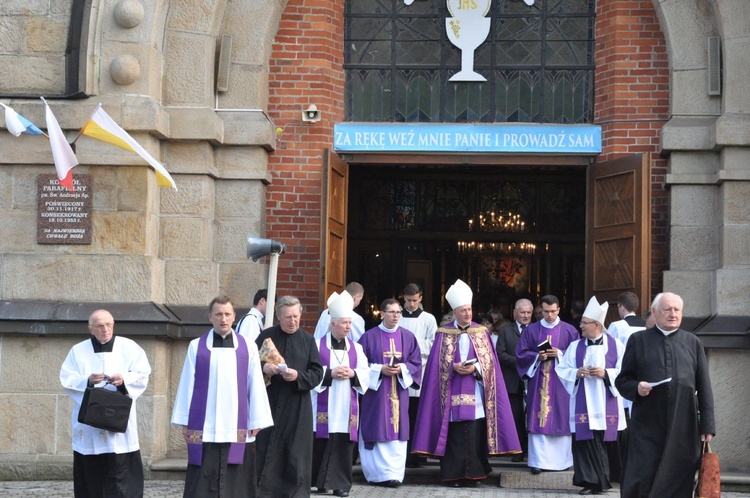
(504, 221)
(497, 247)
(497, 222)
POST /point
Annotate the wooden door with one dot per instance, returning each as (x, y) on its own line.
(618, 230)
(335, 203)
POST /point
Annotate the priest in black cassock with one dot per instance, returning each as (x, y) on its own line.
(284, 451)
(669, 420)
(588, 371)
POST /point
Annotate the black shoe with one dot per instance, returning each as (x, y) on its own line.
(586, 491)
(393, 483)
(470, 483)
(536, 470)
(340, 492)
(452, 484)
(517, 458)
(322, 491)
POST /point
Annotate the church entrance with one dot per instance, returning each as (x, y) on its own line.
(510, 231)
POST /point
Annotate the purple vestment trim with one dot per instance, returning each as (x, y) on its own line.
(197, 416)
(321, 418)
(582, 429)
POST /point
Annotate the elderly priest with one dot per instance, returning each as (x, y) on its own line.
(464, 414)
(346, 375)
(105, 463)
(588, 371)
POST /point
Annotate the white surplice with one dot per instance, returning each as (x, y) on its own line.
(127, 358)
(250, 325)
(339, 392)
(220, 425)
(423, 327)
(596, 390)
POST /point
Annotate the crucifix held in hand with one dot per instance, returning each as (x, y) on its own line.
(392, 354)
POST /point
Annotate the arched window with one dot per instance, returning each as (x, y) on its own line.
(538, 61)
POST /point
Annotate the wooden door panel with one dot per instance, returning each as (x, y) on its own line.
(334, 202)
(618, 230)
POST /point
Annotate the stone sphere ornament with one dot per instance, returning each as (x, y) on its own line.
(125, 69)
(129, 13)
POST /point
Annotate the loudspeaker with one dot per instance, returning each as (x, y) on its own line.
(714, 65)
(257, 247)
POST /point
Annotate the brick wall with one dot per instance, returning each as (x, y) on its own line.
(306, 68)
(632, 102)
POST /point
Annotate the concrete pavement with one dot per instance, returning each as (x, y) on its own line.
(174, 489)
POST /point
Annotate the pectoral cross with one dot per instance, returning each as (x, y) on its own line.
(393, 396)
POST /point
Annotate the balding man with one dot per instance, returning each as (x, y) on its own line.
(507, 341)
(665, 374)
(105, 463)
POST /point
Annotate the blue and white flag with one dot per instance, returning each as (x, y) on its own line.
(17, 124)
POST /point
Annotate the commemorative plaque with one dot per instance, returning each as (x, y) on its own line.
(64, 216)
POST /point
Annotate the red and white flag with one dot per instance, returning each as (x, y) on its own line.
(63, 155)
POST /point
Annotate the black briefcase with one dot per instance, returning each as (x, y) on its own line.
(105, 409)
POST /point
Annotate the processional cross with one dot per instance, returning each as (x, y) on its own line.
(393, 396)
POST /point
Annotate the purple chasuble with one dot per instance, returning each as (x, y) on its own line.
(583, 431)
(197, 415)
(447, 397)
(384, 412)
(321, 417)
(548, 403)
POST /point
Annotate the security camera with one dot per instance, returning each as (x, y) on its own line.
(311, 114)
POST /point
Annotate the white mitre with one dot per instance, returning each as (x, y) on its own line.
(341, 307)
(332, 298)
(459, 294)
(595, 311)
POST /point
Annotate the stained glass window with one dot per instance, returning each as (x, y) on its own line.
(538, 61)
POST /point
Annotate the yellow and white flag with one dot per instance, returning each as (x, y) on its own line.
(102, 127)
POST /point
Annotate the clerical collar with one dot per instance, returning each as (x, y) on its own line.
(102, 348)
(383, 327)
(548, 325)
(223, 342)
(667, 332)
(462, 329)
(411, 314)
(338, 343)
(595, 342)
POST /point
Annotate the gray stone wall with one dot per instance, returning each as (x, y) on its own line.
(151, 64)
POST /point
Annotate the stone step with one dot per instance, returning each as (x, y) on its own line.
(505, 474)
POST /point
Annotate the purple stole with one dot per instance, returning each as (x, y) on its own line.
(582, 429)
(197, 416)
(321, 418)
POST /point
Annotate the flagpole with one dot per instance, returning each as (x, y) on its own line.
(84, 126)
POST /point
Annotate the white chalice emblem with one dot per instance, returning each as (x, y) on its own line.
(467, 29)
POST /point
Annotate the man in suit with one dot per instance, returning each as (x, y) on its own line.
(507, 340)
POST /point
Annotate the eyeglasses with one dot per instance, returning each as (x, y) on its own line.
(393, 312)
(587, 323)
